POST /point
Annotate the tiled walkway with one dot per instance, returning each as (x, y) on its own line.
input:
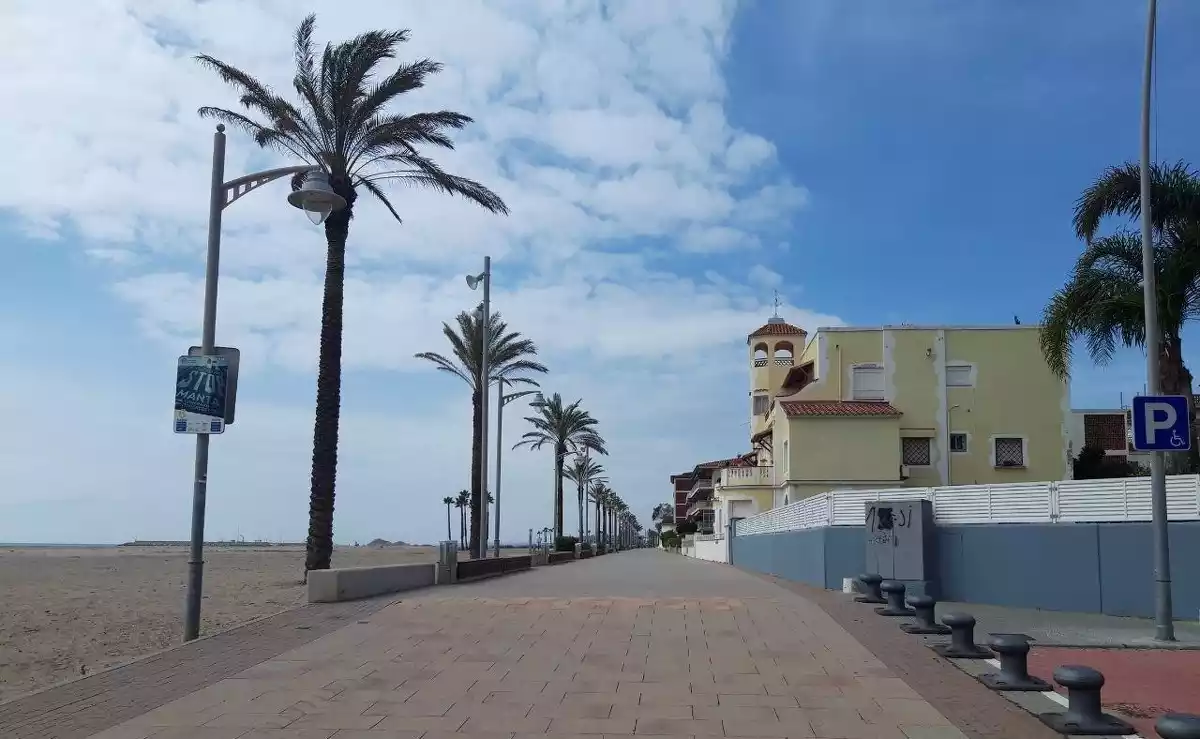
(639, 643)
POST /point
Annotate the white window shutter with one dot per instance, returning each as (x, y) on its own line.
(867, 383)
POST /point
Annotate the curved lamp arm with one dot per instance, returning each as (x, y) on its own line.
(234, 189)
(513, 396)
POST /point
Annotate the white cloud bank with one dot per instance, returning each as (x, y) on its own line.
(601, 124)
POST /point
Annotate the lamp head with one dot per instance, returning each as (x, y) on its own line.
(316, 197)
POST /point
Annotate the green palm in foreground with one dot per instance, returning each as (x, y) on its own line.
(342, 124)
(1102, 301)
(509, 358)
(566, 428)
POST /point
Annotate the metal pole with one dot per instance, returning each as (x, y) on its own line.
(499, 455)
(484, 399)
(208, 338)
(1164, 628)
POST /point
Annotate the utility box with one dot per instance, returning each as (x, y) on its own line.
(901, 543)
(447, 570)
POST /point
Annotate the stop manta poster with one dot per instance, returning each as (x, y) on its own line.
(201, 391)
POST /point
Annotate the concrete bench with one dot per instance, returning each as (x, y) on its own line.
(350, 583)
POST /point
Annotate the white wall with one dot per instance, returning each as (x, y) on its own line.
(716, 550)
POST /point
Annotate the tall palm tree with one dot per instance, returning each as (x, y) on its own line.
(1102, 301)
(597, 494)
(566, 428)
(583, 471)
(449, 501)
(342, 123)
(462, 502)
(509, 358)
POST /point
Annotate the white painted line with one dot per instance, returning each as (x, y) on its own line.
(1055, 696)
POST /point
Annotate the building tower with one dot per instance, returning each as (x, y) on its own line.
(774, 347)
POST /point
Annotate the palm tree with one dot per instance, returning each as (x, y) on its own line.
(1102, 302)
(566, 429)
(663, 513)
(342, 124)
(462, 502)
(583, 471)
(449, 501)
(509, 358)
(597, 494)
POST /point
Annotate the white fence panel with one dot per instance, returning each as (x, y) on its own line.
(803, 514)
(1031, 502)
(1070, 501)
(850, 506)
(1126, 499)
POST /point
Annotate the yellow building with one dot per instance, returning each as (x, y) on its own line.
(895, 406)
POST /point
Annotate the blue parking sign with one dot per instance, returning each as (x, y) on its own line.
(1161, 423)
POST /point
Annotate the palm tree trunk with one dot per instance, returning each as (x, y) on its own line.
(476, 460)
(599, 540)
(319, 547)
(579, 506)
(448, 534)
(559, 451)
(1176, 379)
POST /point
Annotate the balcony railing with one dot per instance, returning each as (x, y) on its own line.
(732, 477)
(777, 361)
(701, 511)
(700, 494)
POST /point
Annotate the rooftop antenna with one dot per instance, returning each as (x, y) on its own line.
(775, 318)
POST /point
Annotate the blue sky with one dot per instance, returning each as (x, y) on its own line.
(668, 166)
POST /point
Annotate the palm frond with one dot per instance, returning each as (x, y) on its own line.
(340, 121)
(1174, 197)
(381, 196)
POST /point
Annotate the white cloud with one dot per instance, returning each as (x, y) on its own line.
(764, 277)
(603, 128)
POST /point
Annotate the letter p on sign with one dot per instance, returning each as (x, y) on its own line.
(1160, 423)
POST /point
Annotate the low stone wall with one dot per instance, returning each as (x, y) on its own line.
(475, 569)
(560, 557)
(350, 583)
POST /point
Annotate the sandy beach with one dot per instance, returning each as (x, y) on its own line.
(68, 610)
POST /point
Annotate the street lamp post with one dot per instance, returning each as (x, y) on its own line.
(473, 281)
(1164, 629)
(503, 401)
(317, 199)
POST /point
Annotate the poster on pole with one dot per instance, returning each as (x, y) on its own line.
(235, 360)
(201, 392)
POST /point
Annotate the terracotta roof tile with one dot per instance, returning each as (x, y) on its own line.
(840, 408)
(776, 329)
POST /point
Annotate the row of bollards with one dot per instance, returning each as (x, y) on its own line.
(1084, 714)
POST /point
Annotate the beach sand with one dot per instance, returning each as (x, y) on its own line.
(70, 609)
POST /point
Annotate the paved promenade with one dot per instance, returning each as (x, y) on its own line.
(638, 643)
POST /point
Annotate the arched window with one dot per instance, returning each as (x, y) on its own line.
(784, 352)
(761, 357)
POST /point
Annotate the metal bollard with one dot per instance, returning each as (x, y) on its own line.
(893, 591)
(1014, 666)
(870, 584)
(962, 639)
(1178, 726)
(1084, 714)
(925, 623)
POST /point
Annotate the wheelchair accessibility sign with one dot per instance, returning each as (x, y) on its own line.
(1160, 423)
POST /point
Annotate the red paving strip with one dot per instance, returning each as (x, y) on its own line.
(1141, 684)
